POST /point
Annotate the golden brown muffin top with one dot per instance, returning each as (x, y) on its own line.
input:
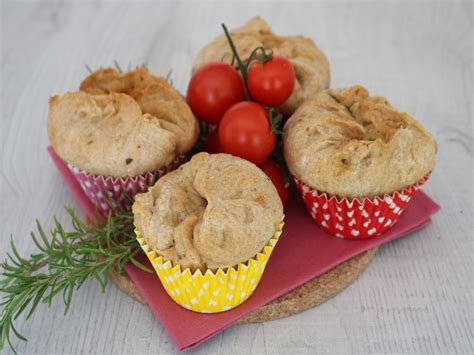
(108, 134)
(349, 144)
(309, 62)
(154, 95)
(213, 212)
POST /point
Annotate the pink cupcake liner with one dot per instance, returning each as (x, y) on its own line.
(353, 218)
(111, 194)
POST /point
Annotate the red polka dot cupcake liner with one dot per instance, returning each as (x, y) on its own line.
(353, 218)
(109, 194)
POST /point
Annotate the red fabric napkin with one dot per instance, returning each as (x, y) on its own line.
(303, 252)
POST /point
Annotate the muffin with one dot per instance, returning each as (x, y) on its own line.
(310, 63)
(208, 229)
(356, 160)
(120, 134)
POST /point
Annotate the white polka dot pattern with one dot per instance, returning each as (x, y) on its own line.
(117, 194)
(355, 219)
(211, 292)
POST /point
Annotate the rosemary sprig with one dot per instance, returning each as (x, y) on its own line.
(61, 264)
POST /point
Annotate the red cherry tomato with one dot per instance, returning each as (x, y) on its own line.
(212, 144)
(272, 82)
(245, 131)
(214, 88)
(273, 171)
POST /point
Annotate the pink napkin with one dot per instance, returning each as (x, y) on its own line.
(303, 252)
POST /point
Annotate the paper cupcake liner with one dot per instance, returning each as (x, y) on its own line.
(353, 218)
(111, 194)
(213, 291)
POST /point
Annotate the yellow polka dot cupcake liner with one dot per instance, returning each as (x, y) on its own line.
(214, 291)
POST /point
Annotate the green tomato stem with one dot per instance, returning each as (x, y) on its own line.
(241, 66)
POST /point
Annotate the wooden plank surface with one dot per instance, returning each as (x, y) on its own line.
(417, 295)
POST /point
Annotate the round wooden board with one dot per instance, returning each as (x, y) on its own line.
(311, 294)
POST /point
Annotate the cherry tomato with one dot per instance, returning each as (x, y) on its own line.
(272, 82)
(212, 144)
(245, 131)
(213, 89)
(273, 171)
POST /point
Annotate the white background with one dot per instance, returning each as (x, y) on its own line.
(417, 295)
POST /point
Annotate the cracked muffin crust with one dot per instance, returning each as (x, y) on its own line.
(213, 212)
(154, 96)
(349, 144)
(310, 63)
(108, 134)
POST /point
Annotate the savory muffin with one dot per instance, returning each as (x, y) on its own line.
(154, 96)
(346, 143)
(121, 133)
(121, 125)
(215, 211)
(108, 135)
(310, 63)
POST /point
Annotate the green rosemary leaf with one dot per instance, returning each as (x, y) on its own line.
(139, 265)
(13, 289)
(18, 334)
(77, 224)
(61, 266)
(38, 245)
(12, 259)
(3, 302)
(42, 234)
(67, 297)
(53, 293)
(15, 252)
(23, 302)
(10, 344)
(67, 250)
(81, 280)
(49, 300)
(102, 278)
(86, 249)
(15, 275)
(119, 69)
(39, 296)
(168, 76)
(108, 235)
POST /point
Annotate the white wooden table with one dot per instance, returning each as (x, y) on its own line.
(416, 297)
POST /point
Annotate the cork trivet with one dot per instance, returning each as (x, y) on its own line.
(311, 294)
